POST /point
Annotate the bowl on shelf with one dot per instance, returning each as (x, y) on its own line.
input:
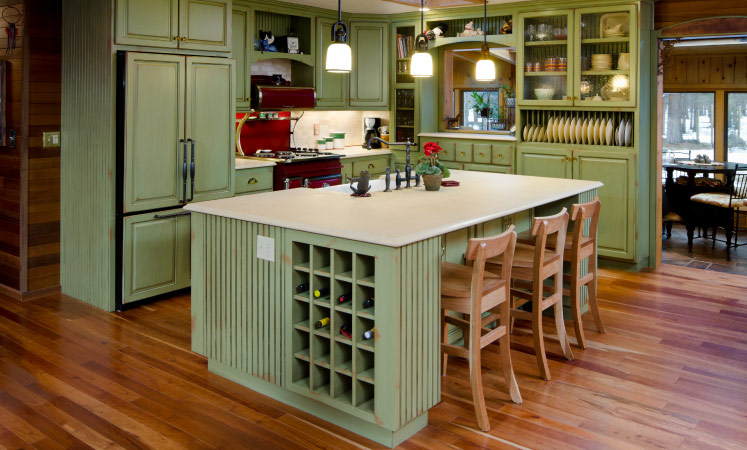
(544, 93)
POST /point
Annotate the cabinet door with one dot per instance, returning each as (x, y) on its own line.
(152, 23)
(210, 124)
(331, 88)
(369, 79)
(241, 39)
(616, 235)
(156, 254)
(205, 25)
(481, 153)
(447, 151)
(550, 53)
(544, 162)
(487, 168)
(463, 152)
(154, 129)
(503, 154)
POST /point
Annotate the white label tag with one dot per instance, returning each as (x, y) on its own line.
(266, 248)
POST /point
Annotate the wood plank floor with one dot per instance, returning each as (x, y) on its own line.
(671, 372)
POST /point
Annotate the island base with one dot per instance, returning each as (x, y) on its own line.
(333, 415)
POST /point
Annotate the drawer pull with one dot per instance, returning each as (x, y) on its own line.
(184, 39)
(500, 156)
(481, 154)
(169, 216)
(248, 99)
(176, 38)
(575, 159)
(371, 166)
(462, 153)
(252, 181)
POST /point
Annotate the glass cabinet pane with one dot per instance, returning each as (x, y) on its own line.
(404, 112)
(606, 56)
(405, 42)
(545, 58)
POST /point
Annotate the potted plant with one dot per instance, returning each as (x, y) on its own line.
(430, 168)
(481, 107)
(509, 99)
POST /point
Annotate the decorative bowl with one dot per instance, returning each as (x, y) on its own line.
(544, 93)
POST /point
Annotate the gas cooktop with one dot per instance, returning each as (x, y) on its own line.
(292, 156)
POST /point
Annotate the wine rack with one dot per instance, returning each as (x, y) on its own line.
(327, 363)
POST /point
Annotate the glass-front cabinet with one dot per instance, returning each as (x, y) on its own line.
(606, 56)
(544, 65)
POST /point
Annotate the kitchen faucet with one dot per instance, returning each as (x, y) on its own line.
(408, 166)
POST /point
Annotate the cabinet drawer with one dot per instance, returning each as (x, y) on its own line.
(252, 180)
(453, 165)
(481, 153)
(463, 152)
(374, 166)
(447, 151)
(503, 154)
(487, 168)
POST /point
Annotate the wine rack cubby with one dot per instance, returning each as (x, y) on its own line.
(577, 127)
(332, 356)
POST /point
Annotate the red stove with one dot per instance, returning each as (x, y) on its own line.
(294, 167)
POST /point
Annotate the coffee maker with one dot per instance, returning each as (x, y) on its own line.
(371, 129)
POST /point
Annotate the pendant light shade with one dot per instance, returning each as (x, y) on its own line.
(421, 63)
(339, 56)
(485, 70)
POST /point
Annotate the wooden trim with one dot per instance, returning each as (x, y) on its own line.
(715, 26)
(704, 88)
(719, 123)
(15, 294)
(8, 291)
(24, 153)
(659, 151)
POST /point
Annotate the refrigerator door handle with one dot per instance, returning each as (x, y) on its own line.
(168, 216)
(184, 172)
(192, 169)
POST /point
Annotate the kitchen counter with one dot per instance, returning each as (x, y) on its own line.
(478, 199)
(357, 151)
(243, 163)
(479, 136)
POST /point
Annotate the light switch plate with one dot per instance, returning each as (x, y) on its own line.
(51, 139)
(266, 248)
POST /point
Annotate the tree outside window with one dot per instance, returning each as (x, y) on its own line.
(736, 125)
(689, 124)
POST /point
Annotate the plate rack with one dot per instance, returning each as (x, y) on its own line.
(327, 363)
(539, 120)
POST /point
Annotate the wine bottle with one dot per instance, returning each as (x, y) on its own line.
(369, 334)
(322, 322)
(368, 303)
(303, 287)
(344, 298)
(321, 292)
(347, 330)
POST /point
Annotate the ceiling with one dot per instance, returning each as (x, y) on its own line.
(391, 6)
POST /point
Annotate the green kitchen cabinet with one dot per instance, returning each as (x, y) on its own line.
(154, 131)
(331, 88)
(210, 126)
(375, 165)
(476, 154)
(369, 79)
(254, 180)
(242, 38)
(156, 254)
(544, 162)
(481, 153)
(463, 152)
(183, 24)
(488, 168)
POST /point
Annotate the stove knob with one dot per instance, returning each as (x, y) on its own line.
(286, 183)
(306, 182)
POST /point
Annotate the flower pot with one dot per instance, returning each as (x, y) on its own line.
(509, 102)
(432, 182)
(484, 113)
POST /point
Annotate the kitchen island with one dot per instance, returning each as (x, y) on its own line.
(257, 264)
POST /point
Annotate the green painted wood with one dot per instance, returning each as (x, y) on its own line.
(198, 266)
(242, 40)
(154, 127)
(210, 122)
(369, 79)
(87, 187)
(156, 255)
(544, 162)
(503, 153)
(463, 151)
(488, 168)
(331, 88)
(205, 25)
(152, 23)
(482, 152)
(253, 180)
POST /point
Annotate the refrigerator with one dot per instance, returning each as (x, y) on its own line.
(175, 145)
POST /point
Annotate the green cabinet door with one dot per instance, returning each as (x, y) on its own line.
(331, 88)
(152, 23)
(205, 25)
(154, 129)
(210, 124)
(544, 162)
(369, 79)
(156, 254)
(616, 238)
(241, 39)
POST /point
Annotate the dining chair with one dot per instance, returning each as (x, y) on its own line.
(471, 291)
(532, 265)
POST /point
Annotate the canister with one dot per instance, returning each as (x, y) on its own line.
(321, 144)
(330, 142)
(339, 139)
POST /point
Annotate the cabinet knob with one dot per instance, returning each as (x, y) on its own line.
(481, 154)
(371, 166)
(462, 153)
(176, 38)
(184, 39)
(248, 99)
(575, 98)
(575, 158)
(500, 156)
(252, 181)
(352, 99)
(567, 158)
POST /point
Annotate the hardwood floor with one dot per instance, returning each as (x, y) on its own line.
(671, 372)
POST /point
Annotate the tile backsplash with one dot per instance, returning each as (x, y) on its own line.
(350, 122)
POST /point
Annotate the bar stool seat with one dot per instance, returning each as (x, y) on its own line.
(456, 281)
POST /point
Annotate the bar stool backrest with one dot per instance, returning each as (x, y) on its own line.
(580, 212)
(481, 249)
(543, 227)
(739, 190)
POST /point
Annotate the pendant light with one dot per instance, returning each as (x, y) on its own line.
(421, 64)
(485, 70)
(339, 56)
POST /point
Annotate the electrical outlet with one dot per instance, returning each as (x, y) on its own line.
(266, 248)
(51, 139)
(317, 129)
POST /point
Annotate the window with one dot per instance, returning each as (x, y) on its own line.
(736, 126)
(480, 109)
(689, 124)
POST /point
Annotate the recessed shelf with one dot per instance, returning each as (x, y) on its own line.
(345, 276)
(367, 406)
(322, 301)
(323, 331)
(345, 368)
(302, 354)
(303, 267)
(303, 383)
(367, 313)
(344, 307)
(604, 72)
(323, 390)
(545, 74)
(367, 376)
(344, 340)
(322, 361)
(368, 348)
(607, 40)
(302, 325)
(346, 397)
(324, 271)
(367, 281)
(545, 43)
(306, 59)
(301, 298)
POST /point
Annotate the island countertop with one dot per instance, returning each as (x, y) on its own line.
(398, 218)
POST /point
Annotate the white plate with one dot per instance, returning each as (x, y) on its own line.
(524, 132)
(594, 140)
(617, 135)
(580, 131)
(601, 132)
(610, 130)
(628, 133)
(589, 128)
(567, 131)
(542, 135)
(621, 133)
(572, 131)
(550, 124)
(584, 131)
(530, 137)
(560, 126)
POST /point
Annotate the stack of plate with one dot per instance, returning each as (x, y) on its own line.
(601, 61)
(587, 131)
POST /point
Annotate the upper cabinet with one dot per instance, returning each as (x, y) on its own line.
(581, 57)
(369, 79)
(183, 24)
(241, 39)
(331, 88)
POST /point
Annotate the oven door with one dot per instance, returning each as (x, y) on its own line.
(293, 182)
(325, 181)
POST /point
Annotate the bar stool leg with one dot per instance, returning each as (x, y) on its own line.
(475, 373)
(559, 322)
(592, 288)
(505, 343)
(578, 325)
(537, 334)
(445, 340)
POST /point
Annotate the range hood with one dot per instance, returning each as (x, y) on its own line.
(276, 98)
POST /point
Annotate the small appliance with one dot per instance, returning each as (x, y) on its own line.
(371, 127)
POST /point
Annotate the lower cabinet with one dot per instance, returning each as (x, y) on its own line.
(156, 254)
(616, 170)
(477, 155)
(253, 181)
(376, 166)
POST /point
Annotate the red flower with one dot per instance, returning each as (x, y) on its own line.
(427, 151)
(430, 148)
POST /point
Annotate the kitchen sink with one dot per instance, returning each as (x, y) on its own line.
(376, 186)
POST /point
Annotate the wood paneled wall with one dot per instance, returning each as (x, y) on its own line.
(10, 158)
(671, 12)
(706, 71)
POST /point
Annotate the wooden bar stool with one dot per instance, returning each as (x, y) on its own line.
(472, 291)
(577, 248)
(533, 264)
